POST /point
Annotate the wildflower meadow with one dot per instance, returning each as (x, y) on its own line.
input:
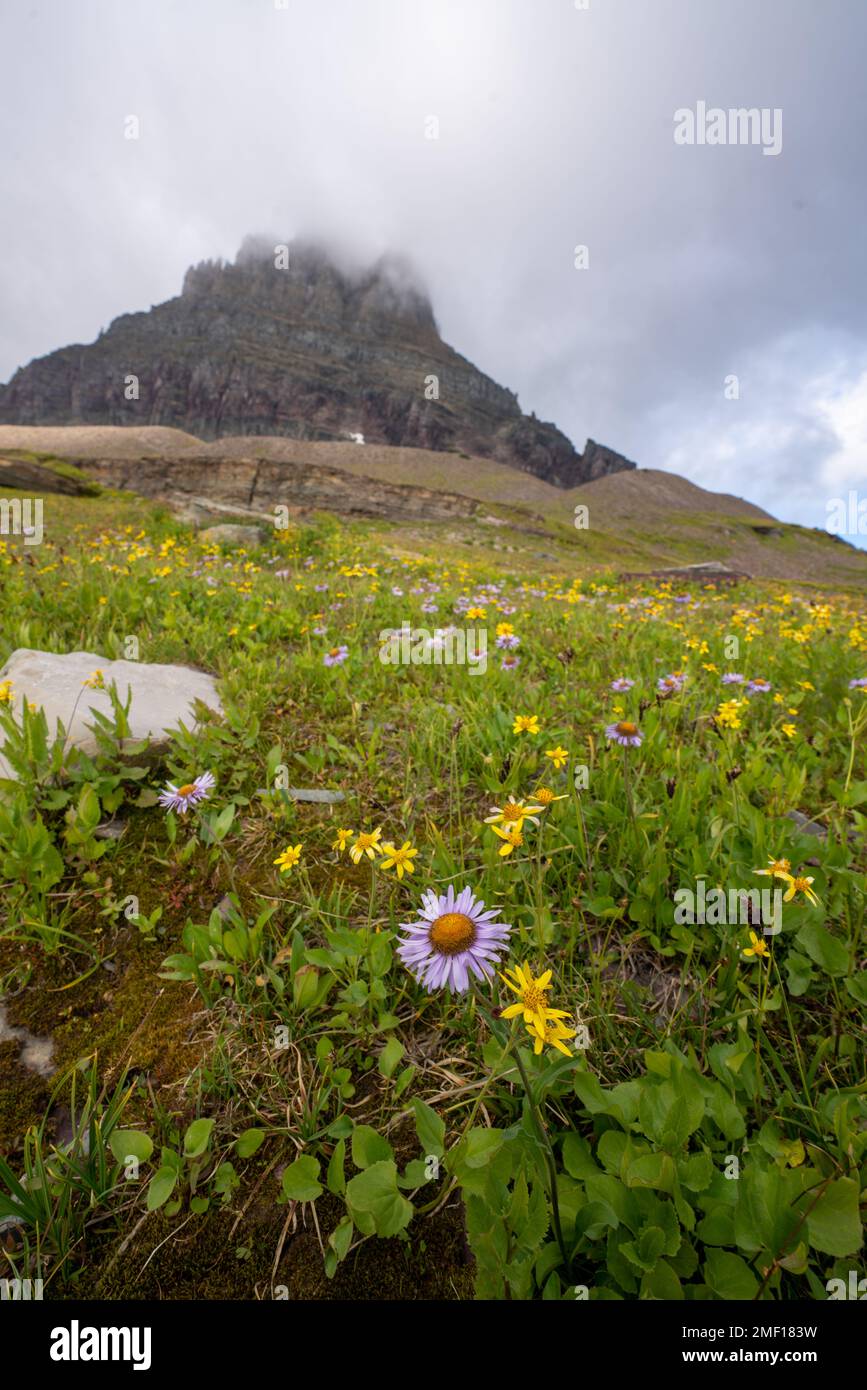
(523, 968)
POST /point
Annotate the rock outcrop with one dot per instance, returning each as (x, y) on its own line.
(311, 351)
(243, 486)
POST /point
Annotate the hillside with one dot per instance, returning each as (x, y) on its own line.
(638, 520)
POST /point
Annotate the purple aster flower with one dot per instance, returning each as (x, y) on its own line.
(319, 588)
(398, 593)
(758, 686)
(336, 656)
(429, 607)
(626, 734)
(508, 641)
(859, 684)
(670, 685)
(190, 794)
(453, 937)
(319, 631)
(732, 678)
(622, 683)
(510, 663)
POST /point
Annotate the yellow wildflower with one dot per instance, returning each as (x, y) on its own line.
(526, 724)
(559, 756)
(799, 885)
(532, 995)
(399, 859)
(759, 946)
(367, 843)
(512, 839)
(289, 858)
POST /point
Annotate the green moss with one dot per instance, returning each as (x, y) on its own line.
(24, 1097)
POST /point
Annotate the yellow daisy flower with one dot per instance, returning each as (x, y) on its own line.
(513, 813)
(545, 796)
(289, 858)
(399, 859)
(532, 995)
(366, 843)
(759, 946)
(559, 756)
(526, 724)
(553, 1033)
(343, 838)
(779, 868)
(512, 839)
(799, 885)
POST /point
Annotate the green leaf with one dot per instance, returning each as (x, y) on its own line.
(430, 1129)
(389, 1057)
(481, 1145)
(131, 1143)
(335, 1179)
(661, 1283)
(301, 1179)
(577, 1158)
(833, 1225)
(249, 1142)
(856, 986)
(161, 1187)
(729, 1275)
(823, 948)
(341, 1238)
(368, 1147)
(725, 1113)
(652, 1170)
(197, 1138)
(374, 1194)
(590, 1093)
(799, 973)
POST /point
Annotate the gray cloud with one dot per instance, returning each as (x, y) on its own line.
(555, 129)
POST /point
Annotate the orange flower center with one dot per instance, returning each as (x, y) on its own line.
(452, 933)
(801, 885)
(511, 811)
(187, 789)
(534, 999)
(628, 730)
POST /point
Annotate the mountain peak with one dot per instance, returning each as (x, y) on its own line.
(296, 338)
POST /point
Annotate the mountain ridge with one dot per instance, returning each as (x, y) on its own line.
(309, 349)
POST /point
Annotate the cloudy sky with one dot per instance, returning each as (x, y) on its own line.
(556, 124)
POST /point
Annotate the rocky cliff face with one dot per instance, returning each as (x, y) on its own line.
(308, 349)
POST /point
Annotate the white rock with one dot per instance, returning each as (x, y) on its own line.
(228, 534)
(162, 696)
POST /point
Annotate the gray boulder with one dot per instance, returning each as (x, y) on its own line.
(162, 696)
